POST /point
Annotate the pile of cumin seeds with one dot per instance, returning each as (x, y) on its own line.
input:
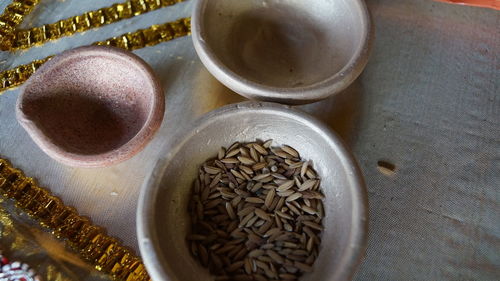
(256, 213)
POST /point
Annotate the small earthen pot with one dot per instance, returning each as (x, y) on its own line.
(163, 220)
(291, 52)
(92, 106)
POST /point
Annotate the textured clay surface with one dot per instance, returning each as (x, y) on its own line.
(89, 104)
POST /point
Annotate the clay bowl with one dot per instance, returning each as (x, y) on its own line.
(292, 52)
(92, 106)
(162, 217)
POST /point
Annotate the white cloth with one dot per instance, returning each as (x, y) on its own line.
(428, 102)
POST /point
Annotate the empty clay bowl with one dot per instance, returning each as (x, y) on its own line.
(291, 52)
(163, 219)
(92, 106)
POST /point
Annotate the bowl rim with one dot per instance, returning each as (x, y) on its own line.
(293, 95)
(119, 154)
(146, 229)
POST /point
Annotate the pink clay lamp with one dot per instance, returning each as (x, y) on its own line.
(92, 106)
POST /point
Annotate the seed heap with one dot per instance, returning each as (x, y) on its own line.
(256, 213)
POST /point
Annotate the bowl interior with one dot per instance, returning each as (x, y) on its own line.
(164, 220)
(89, 102)
(283, 44)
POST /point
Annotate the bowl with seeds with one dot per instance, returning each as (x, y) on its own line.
(253, 191)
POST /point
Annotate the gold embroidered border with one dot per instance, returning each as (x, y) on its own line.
(89, 240)
(12, 38)
(150, 36)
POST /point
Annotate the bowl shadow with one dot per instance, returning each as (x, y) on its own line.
(219, 94)
(341, 112)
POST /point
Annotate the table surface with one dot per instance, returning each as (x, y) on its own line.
(428, 102)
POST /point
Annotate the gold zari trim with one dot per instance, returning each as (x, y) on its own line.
(129, 41)
(12, 39)
(89, 240)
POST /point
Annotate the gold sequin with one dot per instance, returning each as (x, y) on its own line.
(130, 41)
(90, 241)
(104, 252)
(12, 39)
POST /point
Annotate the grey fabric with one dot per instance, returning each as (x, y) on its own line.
(428, 102)
(431, 105)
